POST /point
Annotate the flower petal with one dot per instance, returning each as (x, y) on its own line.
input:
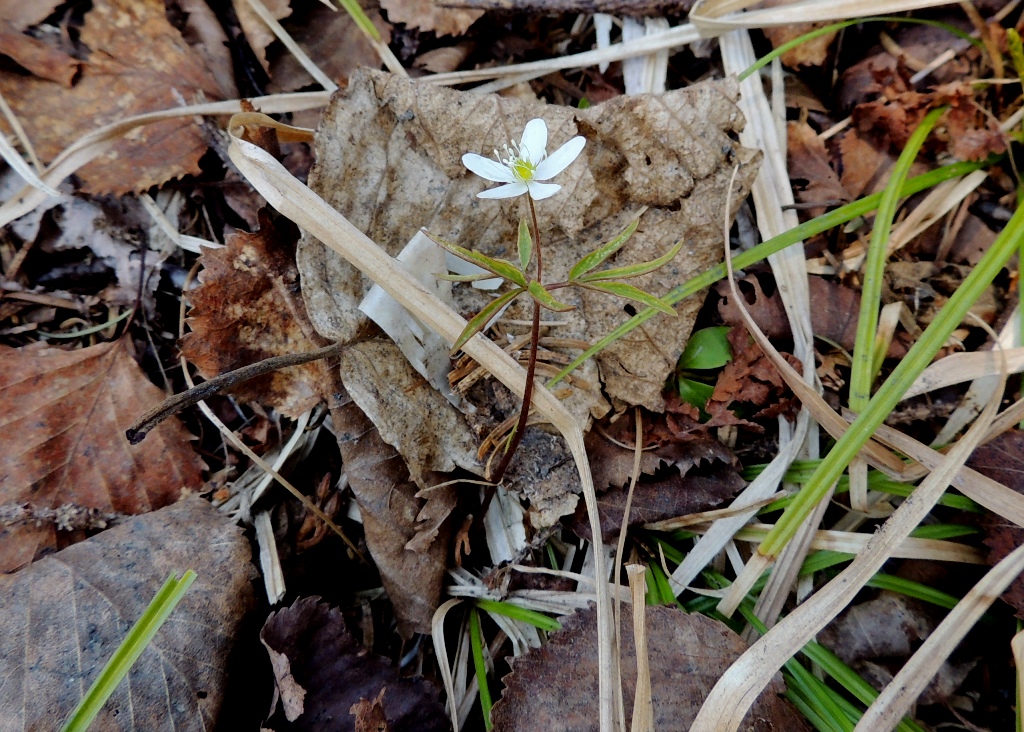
(535, 140)
(487, 168)
(560, 159)
(506, 191)
(540, 191)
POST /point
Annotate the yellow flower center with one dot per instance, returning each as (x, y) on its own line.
(522, 169)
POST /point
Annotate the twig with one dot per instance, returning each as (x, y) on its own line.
(171, 406)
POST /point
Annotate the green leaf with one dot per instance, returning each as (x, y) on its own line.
(634, 270)
(464, 278)
(476, 644)
(525, 244)
(481, 319)
(694, 392)
(621, 289)
(708, 348)
(128, 652)
(499, 267)
(598, 256)
(545, 300)
(1016, 47)
(534, 618)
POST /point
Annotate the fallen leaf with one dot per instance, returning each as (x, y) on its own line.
(410, 138)
(554, 688)
(314, 652)
(812, 52)
(249, 307)
(865, 166)
(428, 15)
(257, 33)
(393, 516)
(370, 716)
(64, 414)
(41, 59)
(334, 42)
(1002, 460)
(836, 323)
(22, 15)
(443, 60)
(64, 616)
(203, 31)
(814, 180)
(136, 62)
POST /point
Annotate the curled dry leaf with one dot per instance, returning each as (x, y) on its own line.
(553, 688)
(249, 308)
(136, 62)
(64, 414)
(63, 617)
(389, 159)
(322, 672)
(428, 15)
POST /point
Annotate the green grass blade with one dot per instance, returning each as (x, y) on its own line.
(889, 394)
(360, 18)
(134, 643)
(476, 642)
(862, 373)
(510, 610)
(776, 244)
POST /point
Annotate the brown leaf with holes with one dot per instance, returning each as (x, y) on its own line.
(322, 672)
(814, 180)
(135, 62)
(63, 617)
(64, 414)
(249, 307)
(554, 688)
(428, 15)
(1002, 460)
(41, 59)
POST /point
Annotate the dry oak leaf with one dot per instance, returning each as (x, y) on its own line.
(249, 308)
(137, 62)
(554, 688)
(64, 414)
(64, 616)
(428, 15)
(322, 671)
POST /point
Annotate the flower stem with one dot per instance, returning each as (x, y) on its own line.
(531, 367)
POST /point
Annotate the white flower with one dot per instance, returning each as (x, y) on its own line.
(525, 164)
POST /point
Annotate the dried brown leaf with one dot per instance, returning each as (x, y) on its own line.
(137, 62)
(249, 307)
(428, 15)
(813, 178)
(64, 414)
(23, 15)
(64, 616)
(813, 52)
(43, 60)
(553, 688)
(314, 653)
(257, 33)
(370, 716)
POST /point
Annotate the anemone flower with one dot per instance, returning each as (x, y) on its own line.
(525, 164)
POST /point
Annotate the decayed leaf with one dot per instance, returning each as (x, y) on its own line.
(809, 53)
(814, 180)
(42, 60)
(1002, 460)
(332, 40)
(407, 536)
(64, 414)
(314, 653)
(258, 33)
(554, 688)
(249, 308)
(64, 616)
(428, 15)
(137, 62)
(389, 158)
(370, 716)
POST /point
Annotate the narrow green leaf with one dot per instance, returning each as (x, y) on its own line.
(498, 266)
(598, 256)
(525, 244)
(525, 615)
(634, 270)
(483, 317)
(545, 300)
(464, 278)
(362, 21)
(708, 348)
(128, 652)
(621, 289)
(476, 644)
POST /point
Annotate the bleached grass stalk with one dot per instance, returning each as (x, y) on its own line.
(899, 696)
(19, 132)
(293, 48)
(297, 202)
(643, 705)
(441, 651)
(715, 17)
(731, 697)
(270, 561)
(1017, 647)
